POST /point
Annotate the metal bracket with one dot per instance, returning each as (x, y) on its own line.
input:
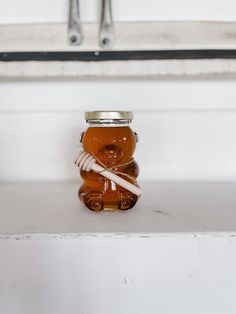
(106, 36)
(75, 36)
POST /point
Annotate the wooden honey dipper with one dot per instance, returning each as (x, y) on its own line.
(87, 162)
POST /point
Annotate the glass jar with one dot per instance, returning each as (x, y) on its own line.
(112, 142)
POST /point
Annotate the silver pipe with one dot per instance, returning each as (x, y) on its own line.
(106, 36)
(75, 35)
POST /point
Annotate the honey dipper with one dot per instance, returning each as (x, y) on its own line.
(87, 162)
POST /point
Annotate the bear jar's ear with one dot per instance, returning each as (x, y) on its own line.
(136, 137)
(81, 137)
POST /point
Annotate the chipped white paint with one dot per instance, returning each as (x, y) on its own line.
(146, 68)
(128, 36)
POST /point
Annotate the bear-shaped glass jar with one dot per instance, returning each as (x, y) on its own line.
(111, 141)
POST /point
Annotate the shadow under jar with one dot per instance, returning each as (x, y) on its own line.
(112, 142)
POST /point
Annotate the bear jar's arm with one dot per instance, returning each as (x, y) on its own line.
(128, 172)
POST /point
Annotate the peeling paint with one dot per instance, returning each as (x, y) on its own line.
(128, 281)
(162, 212)
(115, 236)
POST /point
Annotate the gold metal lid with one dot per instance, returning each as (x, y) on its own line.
(108, 115)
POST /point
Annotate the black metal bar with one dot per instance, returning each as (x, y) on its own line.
(117, 55)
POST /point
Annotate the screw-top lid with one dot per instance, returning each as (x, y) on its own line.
(108, 115)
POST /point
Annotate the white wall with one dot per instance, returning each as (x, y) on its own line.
(13, 11)
(187, 128)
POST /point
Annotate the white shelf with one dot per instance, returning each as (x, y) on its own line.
(58, 256)
(164, 35)
(164, 208)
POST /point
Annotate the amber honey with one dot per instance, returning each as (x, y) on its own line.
(113, 146)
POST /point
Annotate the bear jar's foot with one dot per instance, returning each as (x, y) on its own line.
(94, 200)
(127, 200)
